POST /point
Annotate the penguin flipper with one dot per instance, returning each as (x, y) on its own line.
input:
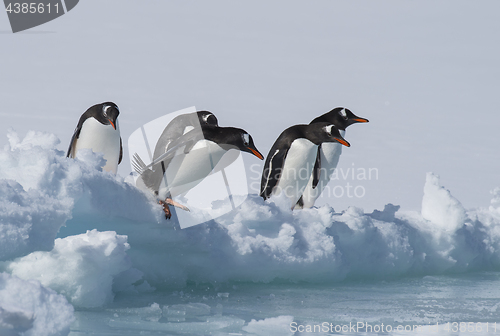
(317, 169)
(186, 139)
(272, 172)
(76, 134)
(72, 145)
(151, 179)
(121, 152)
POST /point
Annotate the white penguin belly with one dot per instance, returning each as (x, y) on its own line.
(101, 139)
(185, 171)
(299, 163)
(330, 155)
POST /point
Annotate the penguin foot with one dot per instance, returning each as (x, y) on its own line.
(177, 205)
(166, 209)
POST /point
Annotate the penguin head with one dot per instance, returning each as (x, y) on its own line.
(327, 132)
(247, 145)
(107, 113)
(232, 137)
(341, 117)
(207, 118)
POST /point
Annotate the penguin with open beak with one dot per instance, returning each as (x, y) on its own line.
(328, 155)
(292, 159)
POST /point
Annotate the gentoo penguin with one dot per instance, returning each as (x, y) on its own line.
(328, 155)
(177, 127)
(290, 161)
(181, 125)
(190, 158)
(98, 130)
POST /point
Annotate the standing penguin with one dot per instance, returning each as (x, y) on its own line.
(98, 130)
(190, 158)
(328, 155)
(291, 160)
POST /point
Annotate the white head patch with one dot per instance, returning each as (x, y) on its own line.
(328, 129)
(343, 113)
(205, 117)
(246, 139)
(105, 109)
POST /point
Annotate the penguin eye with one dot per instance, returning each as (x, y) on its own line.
(246, 139)
(209, 119)
(343, 113)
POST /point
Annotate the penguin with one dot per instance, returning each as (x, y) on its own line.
(291, 160)
(328, 155)
(190, 158)
(99, 131)
(177, 127)
(181, 125)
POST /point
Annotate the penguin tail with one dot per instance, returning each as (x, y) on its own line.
(138, 164)
(151, 178)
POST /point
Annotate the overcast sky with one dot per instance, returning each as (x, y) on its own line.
(426, 74)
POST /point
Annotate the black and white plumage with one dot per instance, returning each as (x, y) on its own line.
(291, 160)
(328, 155)
(175, 129)
(190, 158)
(181, 125)
(99, 131)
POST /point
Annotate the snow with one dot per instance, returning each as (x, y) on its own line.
(40, 186)
(28, 308)
(440, 207)
(414, 247)
(90, 262)
(270, 326)
(113, 240)
(260, 241)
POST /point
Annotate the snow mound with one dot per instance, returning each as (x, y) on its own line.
(81, 267)
(29, 221)
(270, 326)
(40, 186)
(29, 309)
(440, 207)
(261, 241)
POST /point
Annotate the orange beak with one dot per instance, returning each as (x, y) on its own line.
(257, 154)
(360, 120)
(343, 142)
(112, 123)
